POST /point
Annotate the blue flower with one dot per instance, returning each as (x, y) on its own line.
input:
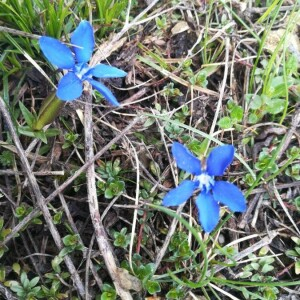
(71, 85)
(212, 192)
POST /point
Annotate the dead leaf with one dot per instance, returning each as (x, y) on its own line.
(128, 281)
(180, 27)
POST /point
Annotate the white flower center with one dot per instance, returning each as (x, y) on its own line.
(80, 70)
(206, 182)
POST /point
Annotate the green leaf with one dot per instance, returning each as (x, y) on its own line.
(245, 274)
(28, 116)
(255, 102)
(277, 87)
(225, 123)
(2, 273)
(108, 296)
(41, 135)
(267, 268)
(16, 287)
(33, 282)
(152, 287)
(253, 118)
(292, 253)
(1, 223)
(255, 266)
(237, 114)
(154, 168)
(56, 262)
(275, 106)
(71, 240)
(109, 292)
(24, 280)
(175, 293)
(296, 240)
(17, 268)
(297, 267)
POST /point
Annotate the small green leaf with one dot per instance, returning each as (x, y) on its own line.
(56, 262)
(41, 135)
(275, 106)
(24, 280)
(33, 282)
(245, 274)
(17, 268)
(108, 296)
(225, 122)
(292, 253)
(267, 268)
(237, 114)
(253, 118)
(255, 102)
(154, 168)
(152, 287)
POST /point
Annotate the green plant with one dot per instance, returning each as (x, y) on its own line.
(112, 172)
(26, 289)
(264, 159)
(235, 117)
(30, 129)
(71, 139)
(121, 239)
(179, 249)
(71, 243)
(257, 272)
(23, 210)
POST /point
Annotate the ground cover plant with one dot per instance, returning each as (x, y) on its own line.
(149, 149)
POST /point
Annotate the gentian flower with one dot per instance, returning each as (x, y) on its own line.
(212, 192)
(71, 85)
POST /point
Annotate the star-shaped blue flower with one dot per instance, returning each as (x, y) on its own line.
(71, 85)
(212, 192)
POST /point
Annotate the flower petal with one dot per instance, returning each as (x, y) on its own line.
(180, 194)
(208, 210)
(230, 195)
(105, 71)
(56, 52)
(83, 42)
(219, 159)
(185, 160)
(69, 88)
(107, 94)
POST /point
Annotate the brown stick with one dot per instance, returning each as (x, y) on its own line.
(101, 237)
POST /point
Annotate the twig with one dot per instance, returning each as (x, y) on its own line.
(19, 32)
(39, 173)
(101, 237)
(40, 198)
